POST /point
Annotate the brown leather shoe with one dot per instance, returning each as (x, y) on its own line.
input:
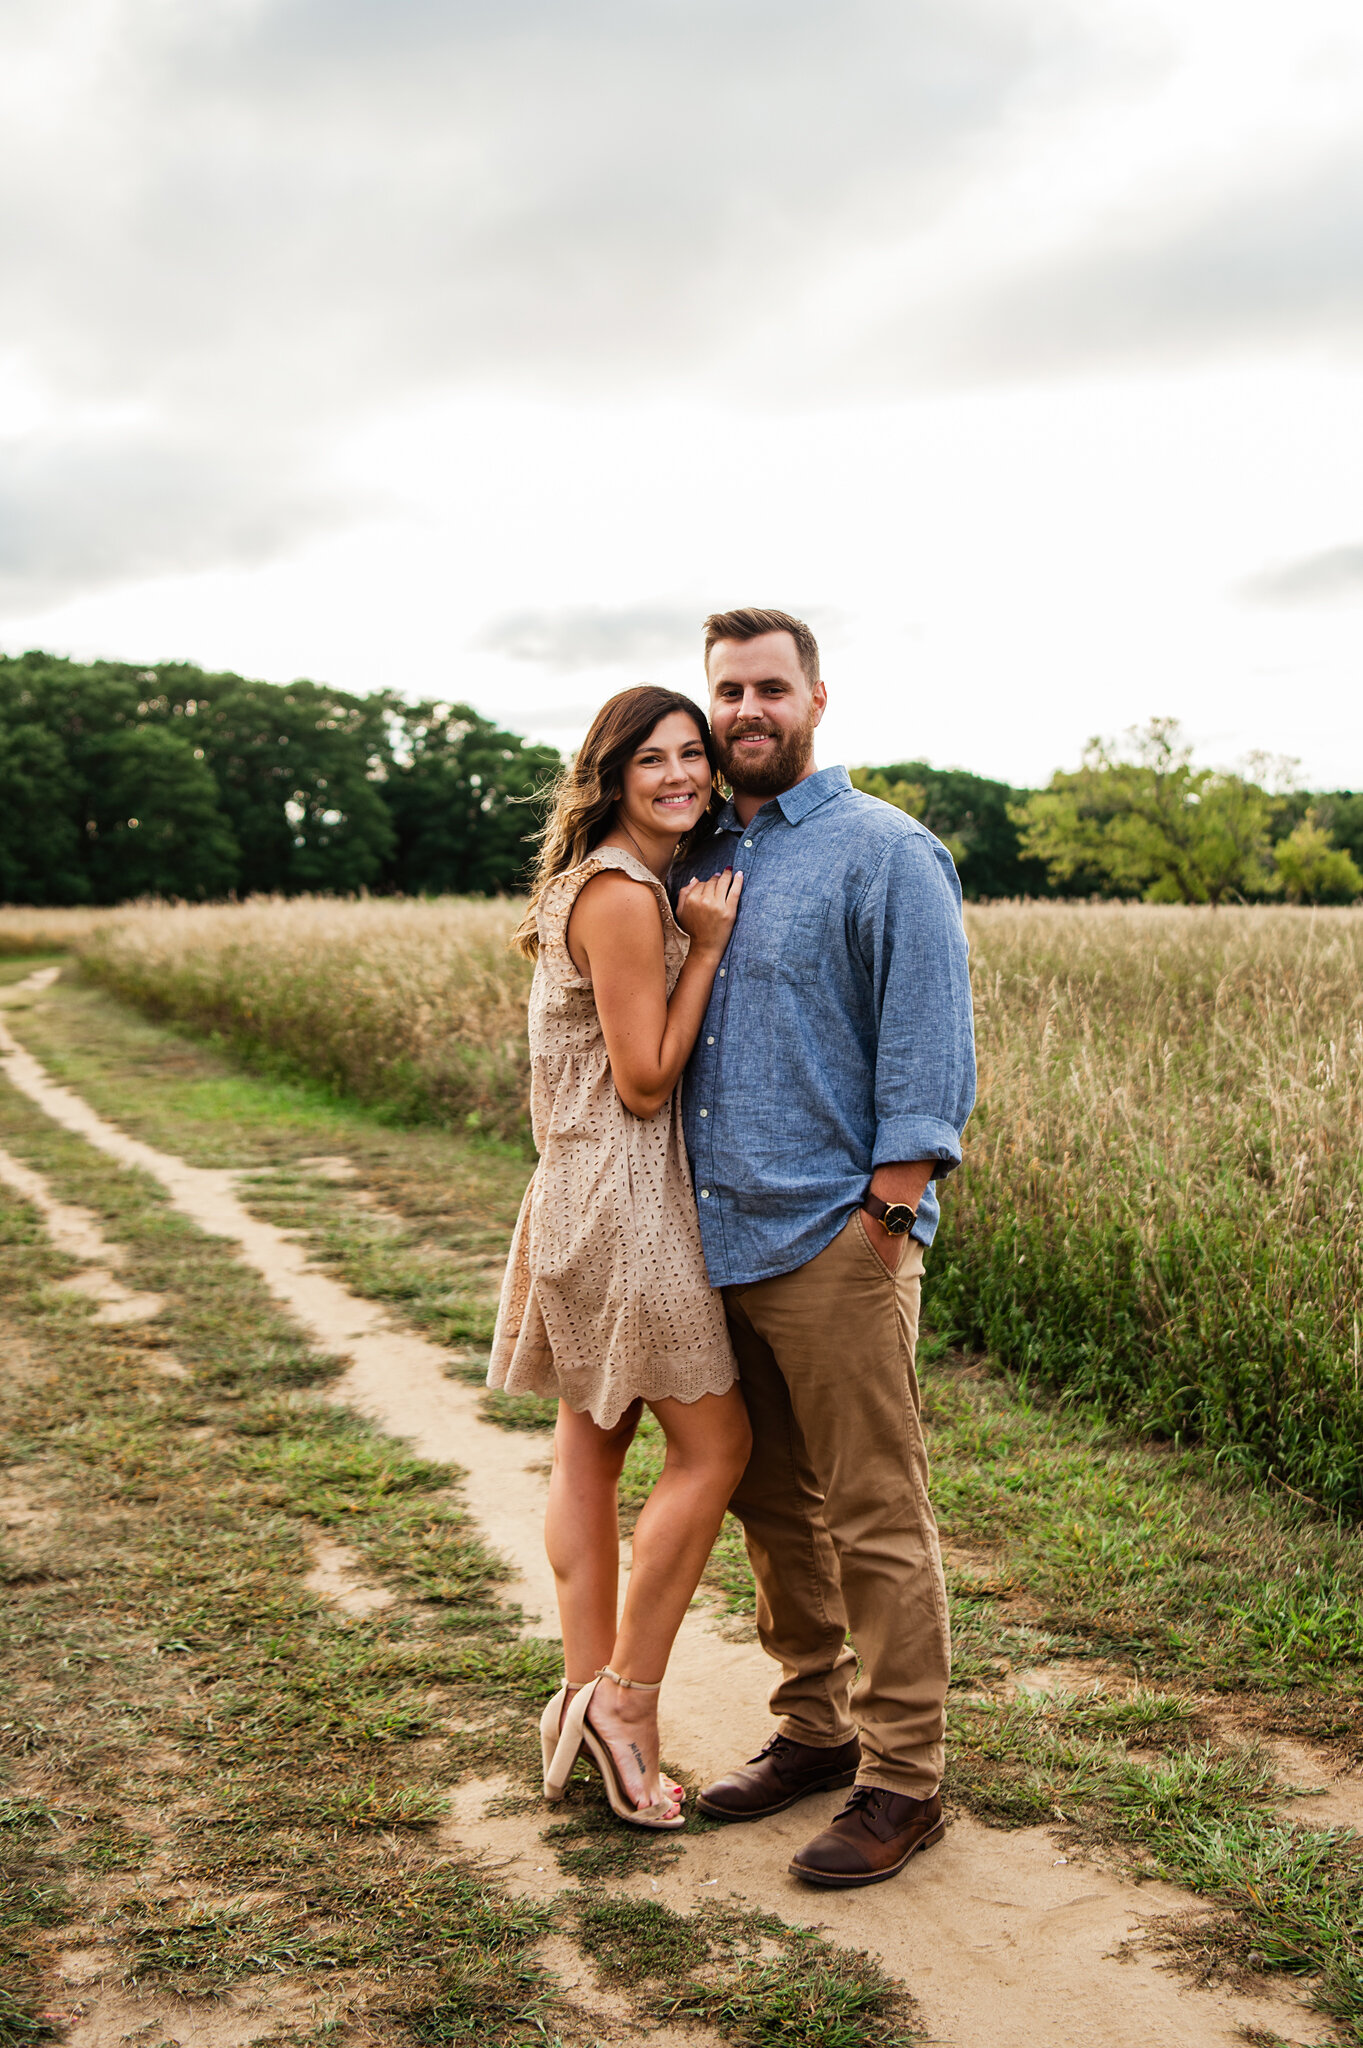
(777, 1776)
(872, 1838)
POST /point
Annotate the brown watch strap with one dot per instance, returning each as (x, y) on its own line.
(874, 1206)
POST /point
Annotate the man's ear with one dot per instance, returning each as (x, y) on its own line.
(819, 693)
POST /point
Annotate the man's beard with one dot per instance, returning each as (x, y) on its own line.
(778, 769)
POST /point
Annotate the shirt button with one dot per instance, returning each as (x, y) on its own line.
(721, 974)
(709, 1041)
(705, 1112)
(705, 1194)
(747, 842)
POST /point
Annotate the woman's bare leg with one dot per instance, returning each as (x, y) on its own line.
(582, 1535)
(708, 1441)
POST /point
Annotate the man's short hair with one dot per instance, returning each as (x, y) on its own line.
(747, 623)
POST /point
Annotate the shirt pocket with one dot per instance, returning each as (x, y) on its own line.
(787, 943)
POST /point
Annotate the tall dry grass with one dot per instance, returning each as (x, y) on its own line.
(26, 930)
(1160, 1204)
(416, 1006)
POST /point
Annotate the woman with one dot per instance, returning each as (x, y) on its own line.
(606, 1302)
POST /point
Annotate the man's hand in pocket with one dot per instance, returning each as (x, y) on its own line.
(889, 1250)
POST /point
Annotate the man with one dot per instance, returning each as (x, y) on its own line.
(826, 1095)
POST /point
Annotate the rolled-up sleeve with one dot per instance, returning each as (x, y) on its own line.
(913, 941)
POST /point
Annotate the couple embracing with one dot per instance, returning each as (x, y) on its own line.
(743, 1258)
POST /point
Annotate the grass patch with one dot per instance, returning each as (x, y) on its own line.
(517, 1411)
(1202, 1817)
(631, 1940)
(19, 968)
(590, 1845)
(758, 1982)
(811, 1997)
(1095, 1548)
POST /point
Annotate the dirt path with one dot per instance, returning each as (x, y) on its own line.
(1006, 1943)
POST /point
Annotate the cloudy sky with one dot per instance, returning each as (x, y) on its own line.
(477, 348)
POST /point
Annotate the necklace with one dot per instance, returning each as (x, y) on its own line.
(634, 843)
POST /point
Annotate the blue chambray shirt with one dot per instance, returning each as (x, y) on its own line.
(839, 1033)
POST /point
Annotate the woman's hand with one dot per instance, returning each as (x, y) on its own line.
(618, 929)
(706, 911)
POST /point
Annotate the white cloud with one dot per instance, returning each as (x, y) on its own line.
(595, 636)
(1325, 577)
(1270, 264)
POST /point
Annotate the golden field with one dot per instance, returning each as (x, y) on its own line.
(1159, 1209)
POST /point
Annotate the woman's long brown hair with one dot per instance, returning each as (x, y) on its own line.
(586, 793)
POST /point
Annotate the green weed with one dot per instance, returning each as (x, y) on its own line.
(631, 1940)
(755, 1980)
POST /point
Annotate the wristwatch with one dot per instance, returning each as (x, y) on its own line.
(895, 1217)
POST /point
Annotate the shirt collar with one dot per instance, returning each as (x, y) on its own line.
(794, 804)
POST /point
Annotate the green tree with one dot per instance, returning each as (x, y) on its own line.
(1312, 869)
(299, 770)
(1340, 812)
(905, 796)
(153, 823)
(102, 767)
(1146, 821)
(910, 797)
(461, 795)
(40, 844)
(971, 815)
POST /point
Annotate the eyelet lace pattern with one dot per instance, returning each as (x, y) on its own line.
(606, 1298)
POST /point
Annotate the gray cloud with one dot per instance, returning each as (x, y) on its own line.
(1273, 261)
(592, 636)
(575, 637)
(255, 224)
(1327, 577)
(77, 513)
(303, 203)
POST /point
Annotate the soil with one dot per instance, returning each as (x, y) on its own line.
(1007, 1939)
(77, 1233)
(337, 1576)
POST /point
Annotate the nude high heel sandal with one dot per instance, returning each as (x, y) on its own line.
(578, 1734)
(553, 1730)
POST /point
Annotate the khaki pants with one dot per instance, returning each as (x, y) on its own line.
(834, 1506)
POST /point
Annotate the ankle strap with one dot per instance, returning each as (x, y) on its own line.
(628, 1684)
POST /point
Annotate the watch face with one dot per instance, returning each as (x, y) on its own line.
(899, 1219)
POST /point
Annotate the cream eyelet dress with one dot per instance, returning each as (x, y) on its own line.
(606, 1299)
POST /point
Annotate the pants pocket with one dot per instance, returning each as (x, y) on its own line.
(890, 1273)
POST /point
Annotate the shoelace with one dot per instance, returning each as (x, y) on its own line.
(775, 1748)
(867, 1800)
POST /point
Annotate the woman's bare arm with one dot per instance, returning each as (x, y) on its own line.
(615, 936)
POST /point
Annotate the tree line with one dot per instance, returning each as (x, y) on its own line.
(1138, 819)
(118, 781)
